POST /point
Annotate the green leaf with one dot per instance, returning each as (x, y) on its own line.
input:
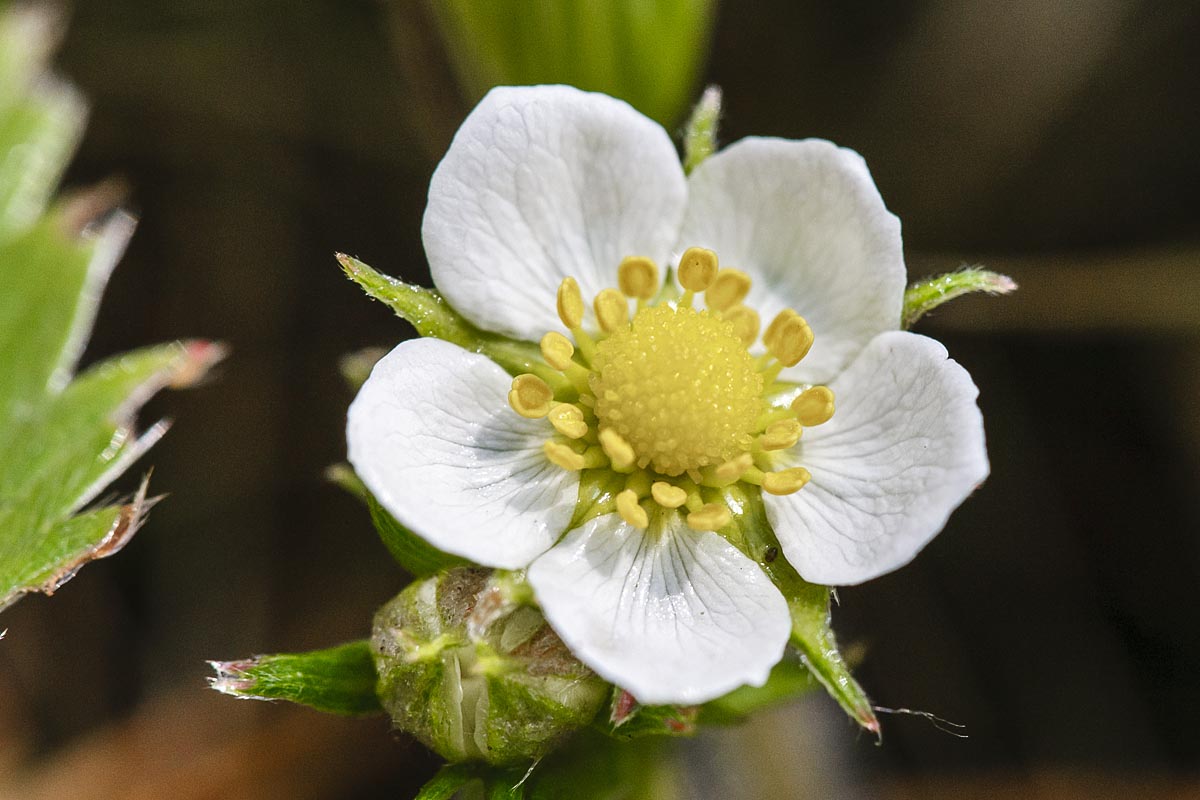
(700, 135)
(418, 557)
(926, 295)
(808, 603)
(649, 54)
(63, 440)
(431, 315)
(340, 680)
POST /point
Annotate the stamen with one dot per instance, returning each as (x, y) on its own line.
(814, 406)
(618, 450)
(668, 495)
(557, 351)
(785, 481)
(745, 323)
(530, 396)
(563, 456)
(638, 277)
(710, 517)
(570, 304)
(733, 469)
(631, 511)
(612, 310)
(781, 435)
(568, 420)
(729, 288)
(788, 338)
(697, 269)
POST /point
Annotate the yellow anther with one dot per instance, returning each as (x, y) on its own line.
(612, 310)
(734, 468)
(530, 396)
(668, 495)
(563, 456)
(781, 435)
(785, 481)
(745, 323)
(630, 510)
(710, 517)
(568, 420)
(729, 288)
(788, 338)
(570, 304)
(697, 269)
(617, 449)
(814, 406)
(638, 277)
(771, 334)
(557, 351)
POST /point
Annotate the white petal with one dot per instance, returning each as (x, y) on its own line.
(805, 221)
(675, 616)
(432, 436)
(903, 449)
(541, 183)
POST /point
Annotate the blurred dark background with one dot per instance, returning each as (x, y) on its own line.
(1057, 615)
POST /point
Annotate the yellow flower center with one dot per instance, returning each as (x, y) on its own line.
(673, 399)
(679, 387)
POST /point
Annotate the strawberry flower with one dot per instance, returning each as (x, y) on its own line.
(776, 364)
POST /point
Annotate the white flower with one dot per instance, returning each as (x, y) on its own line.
(549, 195)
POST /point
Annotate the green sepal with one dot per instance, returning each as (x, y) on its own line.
(789, 680)
(925, 295)
(448, 780)
(628, 719)
(415, 555)
(339, 680)
(700, 135)
(428, 312)
(808, 604)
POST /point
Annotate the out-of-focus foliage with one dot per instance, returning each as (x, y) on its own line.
(63, 438)
(648, 53)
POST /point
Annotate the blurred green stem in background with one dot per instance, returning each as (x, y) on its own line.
(648, 53)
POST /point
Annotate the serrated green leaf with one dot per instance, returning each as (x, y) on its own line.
(808, 603)
(62, 440)
(926, 295)
(415, 555)
(339, 680)
(431, 315)
(47, 126)
(649, 54)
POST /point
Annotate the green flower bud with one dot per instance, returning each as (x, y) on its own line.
(474, 674)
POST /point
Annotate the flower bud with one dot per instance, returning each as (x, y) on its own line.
(474, 674)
